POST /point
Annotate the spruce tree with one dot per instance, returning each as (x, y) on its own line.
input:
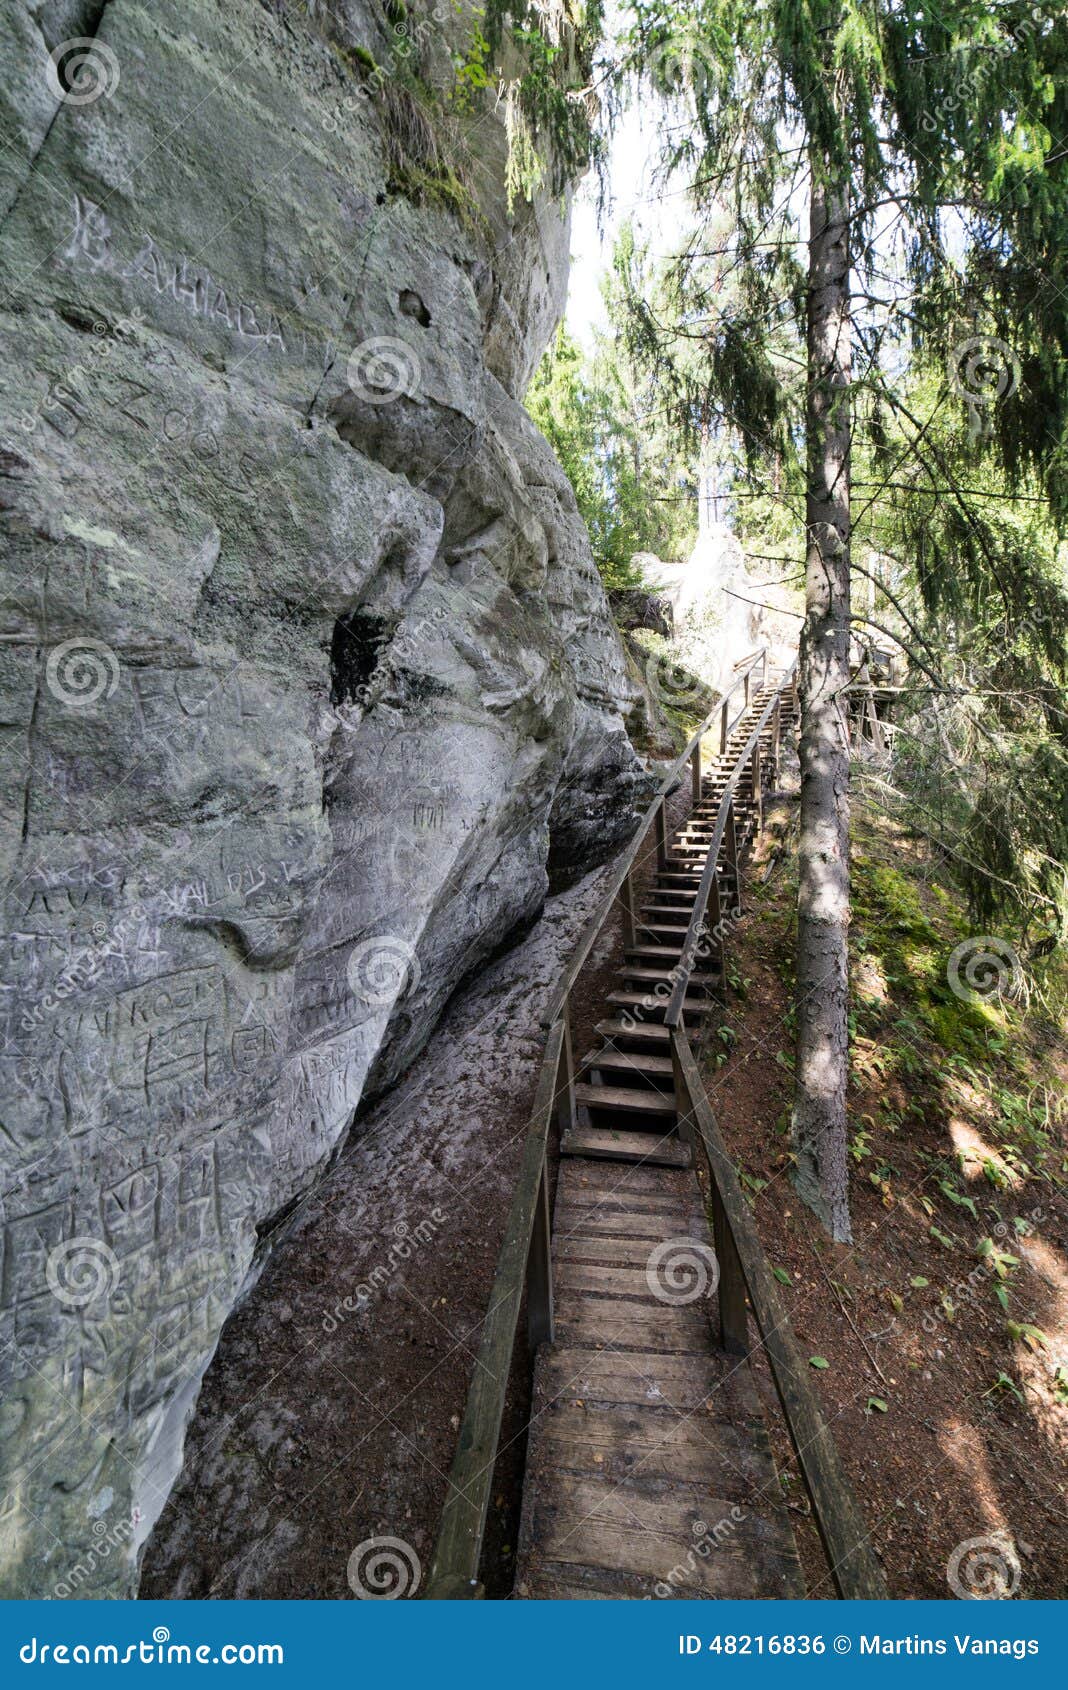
(943, 123)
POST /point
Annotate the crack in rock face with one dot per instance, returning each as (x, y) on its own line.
(308, 680)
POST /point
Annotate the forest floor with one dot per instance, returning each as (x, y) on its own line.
(939, 1337)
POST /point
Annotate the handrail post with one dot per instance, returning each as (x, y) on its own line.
(733, 1313)
(758, 797)
(719, 941)
(776, 740)
(723, 729)
(661, 834)
(683, 1105)
(565, 1094)
(626, 899)
(731, 854)
(541, 1328)
(695, 769)
(745, 694)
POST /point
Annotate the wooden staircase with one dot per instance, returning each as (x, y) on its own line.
(649, 1471)
(625, 1101)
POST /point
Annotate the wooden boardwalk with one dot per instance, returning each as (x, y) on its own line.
(649, 1470)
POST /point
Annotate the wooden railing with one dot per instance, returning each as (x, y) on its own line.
(525, 1256)
(744, 1270)
(748, 760)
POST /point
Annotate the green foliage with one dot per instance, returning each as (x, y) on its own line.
(942, 127)
(632, 477)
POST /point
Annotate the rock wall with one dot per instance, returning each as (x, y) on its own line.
(306, 669)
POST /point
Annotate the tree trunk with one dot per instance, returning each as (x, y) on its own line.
(819, 1118)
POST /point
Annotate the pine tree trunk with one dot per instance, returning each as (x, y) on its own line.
(819, 1121)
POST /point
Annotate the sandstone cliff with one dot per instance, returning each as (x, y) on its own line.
(307, 674)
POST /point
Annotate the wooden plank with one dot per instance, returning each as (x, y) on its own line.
(647, 1445)
(593, 1223)
(632, 1032)
(609, 1248)
(626, 1182)
(642, 1099)
(856, 1571)
(642, 1063)
(612, 1146)
(678, 1381)
(588, 1321)
(587, 1522)
(611, 1282)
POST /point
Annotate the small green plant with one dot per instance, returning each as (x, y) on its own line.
(1002, 1386)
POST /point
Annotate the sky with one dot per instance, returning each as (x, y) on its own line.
(632, 155)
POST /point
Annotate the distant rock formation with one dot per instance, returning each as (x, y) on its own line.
(721, 610)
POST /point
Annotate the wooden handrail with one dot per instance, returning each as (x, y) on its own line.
(592, 931)
(688, 955)
(854, 1567)
(454, 1568)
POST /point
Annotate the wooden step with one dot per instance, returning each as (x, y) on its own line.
(700, 979)
(655, 953)
(641, 1064)
(631, 1032)
(621, 999)
(626, 1100)
(604, 1145)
